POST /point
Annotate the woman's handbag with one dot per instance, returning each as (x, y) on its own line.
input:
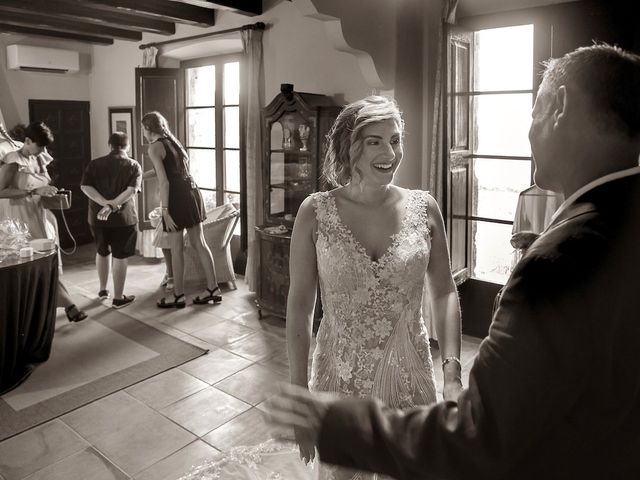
(59, 201)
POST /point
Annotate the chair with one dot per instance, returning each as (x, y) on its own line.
(218, 229)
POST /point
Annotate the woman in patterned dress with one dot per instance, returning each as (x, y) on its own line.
(370, 246)
(23, 181)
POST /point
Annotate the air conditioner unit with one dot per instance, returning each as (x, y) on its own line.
(42, 59)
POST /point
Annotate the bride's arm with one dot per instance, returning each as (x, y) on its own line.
(303, 273)
(446, 306)
(303, 284)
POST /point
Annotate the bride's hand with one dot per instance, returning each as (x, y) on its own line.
(452, 380)
(451, 390)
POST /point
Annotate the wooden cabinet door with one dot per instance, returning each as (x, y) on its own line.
(69, 121)
(161, 90)
(273, 288)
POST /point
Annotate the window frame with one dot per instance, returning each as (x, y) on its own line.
(467, 156)
(219, 108)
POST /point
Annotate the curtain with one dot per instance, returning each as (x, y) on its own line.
(252, 45)
(144, 243)
(149, 55)
(437, 160)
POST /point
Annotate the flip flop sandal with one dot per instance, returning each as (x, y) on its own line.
(208, 298)
(177, 303)
(74, 315)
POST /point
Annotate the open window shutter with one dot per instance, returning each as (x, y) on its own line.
(458, 149)
(162, 90)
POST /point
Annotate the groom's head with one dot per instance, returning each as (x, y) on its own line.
(586, 108)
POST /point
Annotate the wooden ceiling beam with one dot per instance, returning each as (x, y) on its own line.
(55, 34)
(45, 22)
(243, 7)
(71, 10)
(162, 9)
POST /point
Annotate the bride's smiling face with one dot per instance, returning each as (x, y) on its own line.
(381, 152)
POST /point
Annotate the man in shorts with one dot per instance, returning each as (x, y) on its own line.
(111, 183)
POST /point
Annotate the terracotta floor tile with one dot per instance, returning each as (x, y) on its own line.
(215, 366)
(38, 448)
(180, 462)
(205, 410)
(86, 464)
(129, 433)
(253, 385)
(223, 333)
(258, 346)
(166, 388)
(248, 428)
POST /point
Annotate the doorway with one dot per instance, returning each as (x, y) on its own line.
(71, 152)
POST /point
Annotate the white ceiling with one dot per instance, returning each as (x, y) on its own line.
(468, 8)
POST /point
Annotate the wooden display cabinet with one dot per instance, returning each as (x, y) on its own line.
(295, 128)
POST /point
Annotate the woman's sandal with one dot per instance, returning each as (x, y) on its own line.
(177, 303)
(74, 315)
(208, 298)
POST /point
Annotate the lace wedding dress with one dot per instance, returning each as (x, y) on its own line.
(372, 341)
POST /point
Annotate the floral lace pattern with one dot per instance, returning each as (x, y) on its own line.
(372, 340)
(270, 460)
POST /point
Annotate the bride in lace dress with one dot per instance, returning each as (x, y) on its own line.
(370, 246)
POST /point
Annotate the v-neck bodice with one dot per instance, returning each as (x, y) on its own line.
(359, 246)
(372, 339)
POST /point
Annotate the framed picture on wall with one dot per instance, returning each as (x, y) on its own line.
(121, 120)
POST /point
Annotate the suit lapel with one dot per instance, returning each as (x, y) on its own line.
(573, 211)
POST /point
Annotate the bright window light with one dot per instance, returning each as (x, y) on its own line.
(501, 112)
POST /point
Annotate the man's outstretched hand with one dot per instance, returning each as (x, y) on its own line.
(295, 407)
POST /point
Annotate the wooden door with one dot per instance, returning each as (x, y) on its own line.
(457, 144)
(71, 151)
(161, 90)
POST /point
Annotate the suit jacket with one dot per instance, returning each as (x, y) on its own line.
(554, 391)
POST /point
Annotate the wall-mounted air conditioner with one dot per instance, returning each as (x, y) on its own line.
(42, 59)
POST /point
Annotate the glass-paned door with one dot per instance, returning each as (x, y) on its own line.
(213, 130)
(490, 91)
(501, 102)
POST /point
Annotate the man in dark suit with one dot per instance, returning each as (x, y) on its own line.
(554, 391)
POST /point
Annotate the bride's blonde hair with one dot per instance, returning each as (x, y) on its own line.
(345, 137)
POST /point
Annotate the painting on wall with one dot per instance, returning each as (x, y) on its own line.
(121, 120)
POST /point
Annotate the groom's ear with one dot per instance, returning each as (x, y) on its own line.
(562, 105)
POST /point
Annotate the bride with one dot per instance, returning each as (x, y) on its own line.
(370, 246)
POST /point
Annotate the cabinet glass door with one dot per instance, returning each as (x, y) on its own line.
(291, 161)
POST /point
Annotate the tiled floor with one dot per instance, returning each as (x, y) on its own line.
(158, 428)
